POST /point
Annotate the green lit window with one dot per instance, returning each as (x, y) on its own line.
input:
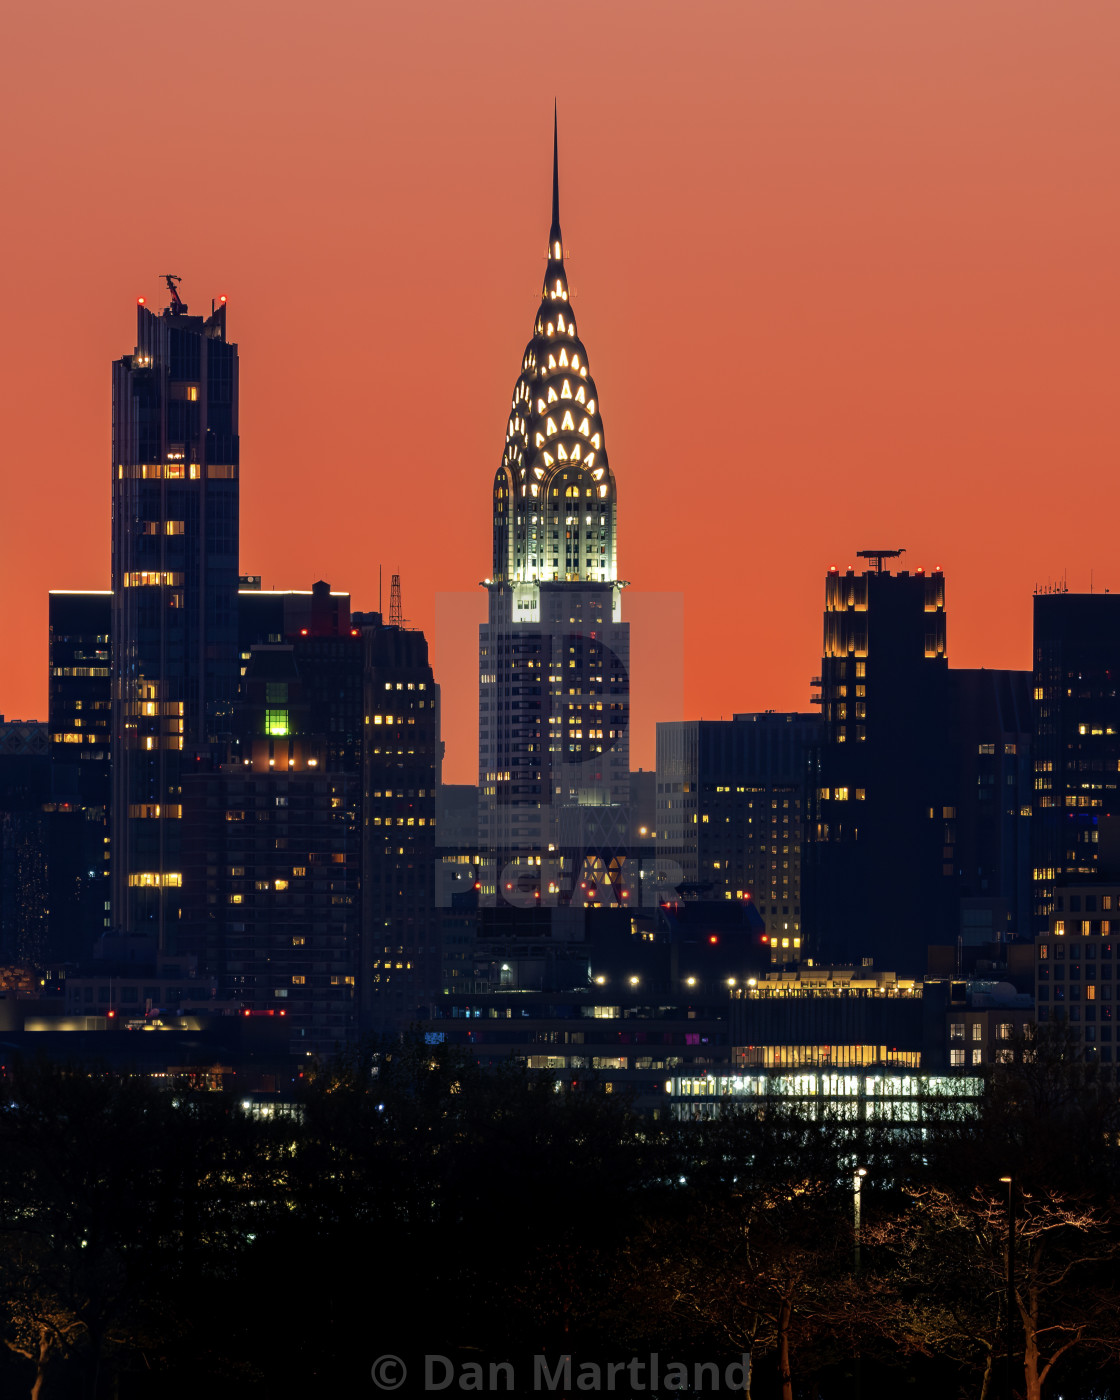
(276, 723)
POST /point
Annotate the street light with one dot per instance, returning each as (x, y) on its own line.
(1010, 1184)
(857, 1183)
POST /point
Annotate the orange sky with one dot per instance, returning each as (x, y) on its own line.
(846, 271)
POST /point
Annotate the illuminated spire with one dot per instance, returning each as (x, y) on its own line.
(554, 231)
(555, 460)
(555, 278)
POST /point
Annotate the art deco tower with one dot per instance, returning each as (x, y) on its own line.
(554, 657)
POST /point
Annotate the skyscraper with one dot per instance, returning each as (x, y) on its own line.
(554, 656)
(174, 580)
(399, 968)
(880, 877)
(272, 842)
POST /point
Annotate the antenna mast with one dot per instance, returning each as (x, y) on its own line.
(396, 618)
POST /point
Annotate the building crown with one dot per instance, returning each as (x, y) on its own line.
(554, 449)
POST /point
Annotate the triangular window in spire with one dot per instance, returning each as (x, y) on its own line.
(567, 422)
(580, 394)
(591, 405)
(540, 405)
(566, 390)
(550, 428)
(585, 428)
(563, 357)
(551, 362)
(551, 394)
(560, 453)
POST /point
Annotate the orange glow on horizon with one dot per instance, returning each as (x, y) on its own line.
(846, 276)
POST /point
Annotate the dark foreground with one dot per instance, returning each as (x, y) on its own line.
(174, 1244)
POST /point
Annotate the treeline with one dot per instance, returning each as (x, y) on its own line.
(170, 1243)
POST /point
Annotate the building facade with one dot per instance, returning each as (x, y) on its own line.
(1076, 966)
(24, 790)
(80, 721)
(732, 797)
(1075, 828)
(991, 723)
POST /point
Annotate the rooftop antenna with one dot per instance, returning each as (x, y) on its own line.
(878, 555)
(178, 306)
(395, 617)
(554, 231)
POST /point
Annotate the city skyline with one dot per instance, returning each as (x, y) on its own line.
(904, 334)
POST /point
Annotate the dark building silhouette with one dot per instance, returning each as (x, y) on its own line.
(732, 797)
(274, 615)
(174, 583)
(79, 720)
(272, 853)
(881, 882)
(991, 722)
(554, 656)
(1075, 837)
(24, 790)
(400, 969)
(643, 807)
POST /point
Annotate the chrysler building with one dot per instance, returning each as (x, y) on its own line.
(554, 688)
